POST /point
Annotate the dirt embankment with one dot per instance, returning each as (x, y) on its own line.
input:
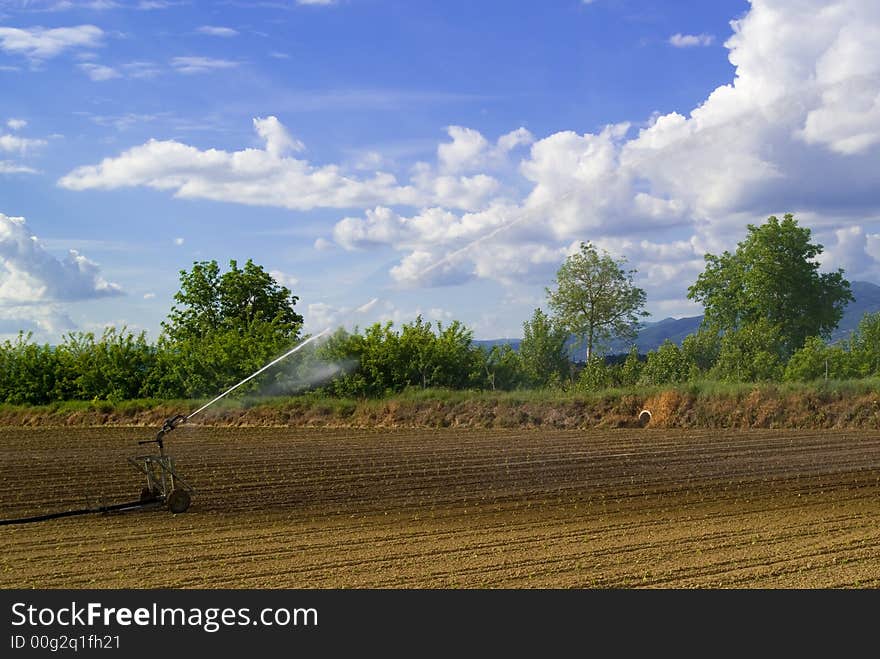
(761, 407)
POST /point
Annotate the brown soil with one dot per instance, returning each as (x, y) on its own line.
(450, 508)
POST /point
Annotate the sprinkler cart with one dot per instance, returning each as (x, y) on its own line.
(164, 484)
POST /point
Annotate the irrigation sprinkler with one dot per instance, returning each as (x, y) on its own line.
(164, 484)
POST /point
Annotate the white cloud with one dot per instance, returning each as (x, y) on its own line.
(20, 145)
(16, 124)
(38, 43)
(469, 150)
(99, 72)
(284, 278)
(193, 65)
(690, 40)
(45, 320)
(465, 150)
(30, 274)
(179, 241)
(149, 296)
(278, 140)
(9, 167)
(798, 129)
(217, 31)
(855, 250)
(270, 177)
(93, 5)
(147, 5)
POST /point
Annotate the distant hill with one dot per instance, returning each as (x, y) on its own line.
(867, 300)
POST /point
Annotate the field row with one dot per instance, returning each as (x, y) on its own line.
(318, 508)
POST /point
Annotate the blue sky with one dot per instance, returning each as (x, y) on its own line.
(357, 148)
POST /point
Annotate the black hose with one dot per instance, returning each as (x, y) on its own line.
(85, 511)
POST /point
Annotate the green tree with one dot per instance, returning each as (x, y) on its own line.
(866, 345)
(773, 276)
(752, 353)
(596, 375)
(502, 367)
(542, 351)
(223, 327)
(28, 371)
(631, 369)
(664, 365)
(595, 298)
(700, 351)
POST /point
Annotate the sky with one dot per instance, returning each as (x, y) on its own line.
(388, 158)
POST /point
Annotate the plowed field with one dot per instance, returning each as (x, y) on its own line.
(323, 508)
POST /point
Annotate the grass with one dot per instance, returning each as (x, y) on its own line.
(706, 390)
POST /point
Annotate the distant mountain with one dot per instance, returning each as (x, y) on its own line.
(867, 300)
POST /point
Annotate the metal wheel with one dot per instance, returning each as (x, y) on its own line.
(178, 501)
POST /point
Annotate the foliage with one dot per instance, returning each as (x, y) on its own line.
(665, 365)
(542, 353)
(700, 351)
(773, 277)
(420, 355)
(82, 367)
(596, 375)
(631, 370)
(223, 328)
(595, 298)
(866, 346)
(752, 353)
(502, 367)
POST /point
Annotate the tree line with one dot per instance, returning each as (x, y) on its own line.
(768, 315)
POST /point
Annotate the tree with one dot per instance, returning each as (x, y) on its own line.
(773, 276)
(595, 298)
(502, 367)
(664, 365)
(751, 353)
(223, 328)
(542, 351)
(234, 300)
(866, 345)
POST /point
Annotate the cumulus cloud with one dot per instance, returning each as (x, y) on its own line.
(45, 319)
(469, 150)
(690, 40)
(16, 124)
(29, 274)
(855, 250)
(278, 140)
(284, 278)
(272, 177)
(19, 145)
(797, 129)
(39, 43)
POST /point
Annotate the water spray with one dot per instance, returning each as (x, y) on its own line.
(256, 373)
